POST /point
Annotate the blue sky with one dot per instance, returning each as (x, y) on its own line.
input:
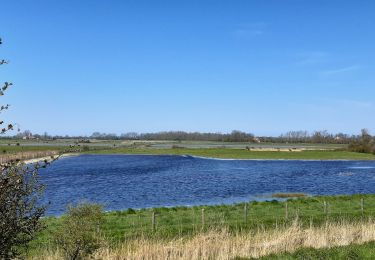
(264, 67)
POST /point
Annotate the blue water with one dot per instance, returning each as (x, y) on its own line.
(139, 181)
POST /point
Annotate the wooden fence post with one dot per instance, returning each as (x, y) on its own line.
(245, 212)
(325, 207)
(153, 220)
(203, 219)
(286, 210)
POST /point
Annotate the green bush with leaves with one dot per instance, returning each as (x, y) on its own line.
(79, 234)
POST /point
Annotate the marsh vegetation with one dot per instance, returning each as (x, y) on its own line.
(251, 229)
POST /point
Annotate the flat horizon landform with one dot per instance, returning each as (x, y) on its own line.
(224, 150)
(184, 232)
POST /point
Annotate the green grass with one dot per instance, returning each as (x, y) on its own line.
(244, 154)
(352, 252)
(224, 153)
(187, 221)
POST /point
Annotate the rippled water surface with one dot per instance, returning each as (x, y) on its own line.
(138, 181)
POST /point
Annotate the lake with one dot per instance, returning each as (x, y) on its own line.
(142, 181)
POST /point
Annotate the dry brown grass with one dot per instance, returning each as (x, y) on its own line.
(28, 156)
(221, 244)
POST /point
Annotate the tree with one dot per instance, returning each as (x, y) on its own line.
(20, 192)
(364, 143)
(366, 138)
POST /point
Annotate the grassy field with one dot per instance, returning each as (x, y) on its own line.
(171, 223)
(306, 243)
(331, 241)
(206, 149)
(244, 154)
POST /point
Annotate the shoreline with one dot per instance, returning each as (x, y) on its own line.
(41, 159)
(226, 159)
(256, 199)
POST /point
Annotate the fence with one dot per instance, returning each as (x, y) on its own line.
(172, 222)
(178, 222)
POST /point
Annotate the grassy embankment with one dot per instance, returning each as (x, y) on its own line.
(13, 152)
(205, 149)
(244, 154)
(189, 222)
(20, 149)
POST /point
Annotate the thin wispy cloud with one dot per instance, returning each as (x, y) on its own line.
(334, 105)
(250, 29)
(341, 70)
(352, 103)
(312, 57)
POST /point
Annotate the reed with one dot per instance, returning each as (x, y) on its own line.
(223, 244)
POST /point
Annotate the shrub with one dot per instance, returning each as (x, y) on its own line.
(20, 210)
(85, 148)
(365, 144)
(130, 211)
(79, 234)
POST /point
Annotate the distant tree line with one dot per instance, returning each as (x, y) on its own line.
(234, 136)
(315, 137)
(365, 143)
(318, 137)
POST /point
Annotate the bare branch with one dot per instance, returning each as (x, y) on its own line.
(4, 107)
(6, 85)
